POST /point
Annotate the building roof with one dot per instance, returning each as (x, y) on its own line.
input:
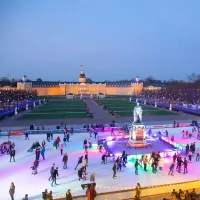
(35, 83)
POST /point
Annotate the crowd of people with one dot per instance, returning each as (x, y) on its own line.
(9, 98)
(173, 95)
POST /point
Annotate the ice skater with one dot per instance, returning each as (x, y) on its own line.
(136, 166)
(114, 169)
(51, 172)
(37, 153)
(26, 136)
(42, 152)
(171, 169)
(80, 160)
(55, 175)
(198, 154)
(185, 164)
(12, 154)
(61, 149)
(65, 160)
(103, 158)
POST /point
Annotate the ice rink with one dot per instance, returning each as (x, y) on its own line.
(20, 173)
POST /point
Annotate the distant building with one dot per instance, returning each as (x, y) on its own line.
(49, 88)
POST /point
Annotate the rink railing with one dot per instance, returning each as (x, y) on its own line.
(173, 143)
(57, 131)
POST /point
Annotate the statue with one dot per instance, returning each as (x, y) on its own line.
(137, 113)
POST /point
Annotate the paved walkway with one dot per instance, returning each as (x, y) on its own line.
(97, 111)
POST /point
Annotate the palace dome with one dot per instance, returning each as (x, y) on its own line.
(82, 77)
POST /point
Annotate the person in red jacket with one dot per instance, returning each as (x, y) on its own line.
(58, 141)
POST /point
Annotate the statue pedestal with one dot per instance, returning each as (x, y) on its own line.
(137, 135)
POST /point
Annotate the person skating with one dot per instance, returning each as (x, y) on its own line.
(36, 164)
(114, 169)
(58, 141)
(124, 158)
(190, 156)
(90, 143)
(174, 157)
(12, 191)
(43, 143)
(185, 163)
(103, 158)
(198, 154)
(37, 153)
(12, 154)
(65, 160)
(61, 149)
(171, 169)
(51, 135)
(95, 134)
(187, 148)
(42, 152)
(86, 158)
(80, 160)
(26, 136)
(120, 164)
(68, 136)
(180, 162)
(84, 142)
(136, 166)
(64, 140)
(55, 175)
(80, 173)
(51, 171)
(86, 148)
(68, 195)
(145, 162)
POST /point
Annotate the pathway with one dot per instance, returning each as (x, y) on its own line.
(97, 111)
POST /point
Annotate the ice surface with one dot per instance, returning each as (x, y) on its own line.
(19, 172)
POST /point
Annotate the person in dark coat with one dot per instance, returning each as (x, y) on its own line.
(12, 154)
(80, 172)
(26, 136)
(68, 195)
(103, 159)
(37, 153)
(55, 175)
(65, 159)
(80, 160)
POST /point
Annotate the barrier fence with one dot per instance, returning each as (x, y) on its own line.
(85, 130)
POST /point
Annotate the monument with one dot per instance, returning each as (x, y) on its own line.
(137, 131)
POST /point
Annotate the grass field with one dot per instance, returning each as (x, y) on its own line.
(125, 108)
(58, 109)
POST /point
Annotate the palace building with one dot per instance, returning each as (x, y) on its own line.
(82, 87)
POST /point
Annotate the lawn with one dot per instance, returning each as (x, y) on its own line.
(58, 109)
(125, 108)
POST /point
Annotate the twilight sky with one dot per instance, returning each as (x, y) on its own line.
(113, 39)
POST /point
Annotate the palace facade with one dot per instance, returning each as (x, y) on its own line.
(81, 87)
